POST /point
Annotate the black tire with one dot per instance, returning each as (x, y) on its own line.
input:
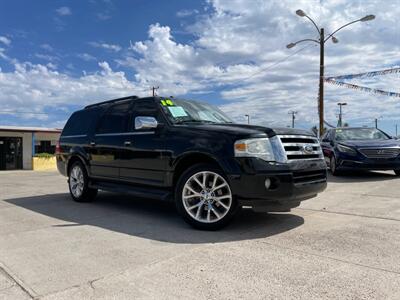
(227, 213)
(333, 166)
(87, 194)
(397, 172)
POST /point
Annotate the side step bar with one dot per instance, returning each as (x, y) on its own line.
(151, 192)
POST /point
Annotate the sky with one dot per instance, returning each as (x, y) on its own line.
(58, 56)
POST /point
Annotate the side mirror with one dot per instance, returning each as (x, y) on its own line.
(142, 122)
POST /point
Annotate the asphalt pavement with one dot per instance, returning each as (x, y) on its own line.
(344, 244)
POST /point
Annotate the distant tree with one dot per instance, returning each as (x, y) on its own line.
(314, 130)
(346, 124)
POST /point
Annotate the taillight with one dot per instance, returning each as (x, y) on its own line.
(58, 148)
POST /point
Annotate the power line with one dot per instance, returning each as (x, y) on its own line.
(278, 62)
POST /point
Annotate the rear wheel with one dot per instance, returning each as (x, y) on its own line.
(397, 172)
(78, 184)
(204, 197)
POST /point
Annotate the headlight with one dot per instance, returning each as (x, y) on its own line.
(346, 149)
(264, 148)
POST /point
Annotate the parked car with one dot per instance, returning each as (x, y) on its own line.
(189, 152)
(360, 148)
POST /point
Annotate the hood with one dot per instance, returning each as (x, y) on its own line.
(249, 131)
(371, 143)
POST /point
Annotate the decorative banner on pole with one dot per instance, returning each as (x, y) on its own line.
(334, 80)
(366, 74)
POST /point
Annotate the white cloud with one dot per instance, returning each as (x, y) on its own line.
(37, 87)
(186, 13)
(112, 47)
(103, 16)
(64, 11)
(6, 41)
(234, 52)
(240, 38)
(46, 47)
(86, 57)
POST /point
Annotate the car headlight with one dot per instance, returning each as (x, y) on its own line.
(347, 150)
(268, 149)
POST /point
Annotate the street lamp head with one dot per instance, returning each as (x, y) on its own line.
(342, 103)
(300, 13)
(291, 45)
(367, 18)
(335, 40)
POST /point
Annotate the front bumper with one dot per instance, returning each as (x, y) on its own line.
(368, 163)
(290, 184)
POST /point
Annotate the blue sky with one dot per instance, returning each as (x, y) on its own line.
(57, 56)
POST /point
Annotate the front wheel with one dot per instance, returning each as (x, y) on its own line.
(333, 166)
(204, 198)
(78, 184)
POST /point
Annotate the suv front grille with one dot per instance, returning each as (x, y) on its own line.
(301, 147)
(381, 153)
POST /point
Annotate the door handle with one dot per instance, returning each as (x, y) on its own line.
(92, 144)
(127, 143)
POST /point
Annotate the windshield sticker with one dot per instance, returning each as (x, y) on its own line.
(177, 111)
(167, 102)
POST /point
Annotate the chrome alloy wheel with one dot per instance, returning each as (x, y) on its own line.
(207, 197)
(76, 181)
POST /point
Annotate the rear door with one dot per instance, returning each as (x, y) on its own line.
(108, 141)
(143, 160)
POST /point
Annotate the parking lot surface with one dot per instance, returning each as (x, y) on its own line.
(344, 244)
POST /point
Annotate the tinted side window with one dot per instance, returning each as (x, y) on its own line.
(144, 108)
(115, 119)
(80, 122)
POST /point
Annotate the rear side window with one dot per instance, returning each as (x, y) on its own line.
(115, 119)
(80, 122)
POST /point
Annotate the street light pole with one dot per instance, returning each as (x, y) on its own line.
(293, 113)
(321, 43)
(340, 113)
(248, 119)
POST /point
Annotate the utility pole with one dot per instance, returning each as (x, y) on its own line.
(341, 113)
(322, 40)
(321, 82)
(248, 119)
(376, 123)
(293, 113)
(154, 90)
(396, 130)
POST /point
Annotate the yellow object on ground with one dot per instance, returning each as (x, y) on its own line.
(44, 163)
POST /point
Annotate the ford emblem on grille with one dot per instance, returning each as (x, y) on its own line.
(308, 149)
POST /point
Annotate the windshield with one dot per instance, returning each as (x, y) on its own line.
(182, 111)
(361, 134)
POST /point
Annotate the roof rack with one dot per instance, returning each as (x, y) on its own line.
(111, 101)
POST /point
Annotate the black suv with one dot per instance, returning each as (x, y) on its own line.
(189, 152)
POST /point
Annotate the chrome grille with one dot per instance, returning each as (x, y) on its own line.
(301, 147)
(381, 153)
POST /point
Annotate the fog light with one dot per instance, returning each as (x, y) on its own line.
(267, 183)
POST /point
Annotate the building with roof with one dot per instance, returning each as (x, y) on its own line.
(18, 145)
